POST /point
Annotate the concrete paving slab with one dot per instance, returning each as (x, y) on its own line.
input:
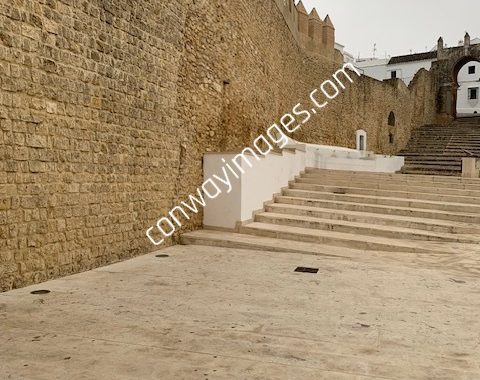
(219, 313)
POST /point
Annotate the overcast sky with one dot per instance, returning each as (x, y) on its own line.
(398, 26)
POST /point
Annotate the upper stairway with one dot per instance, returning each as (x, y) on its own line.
(338, 212)
(439, 149)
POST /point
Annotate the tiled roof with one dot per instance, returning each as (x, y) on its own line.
(413, 57)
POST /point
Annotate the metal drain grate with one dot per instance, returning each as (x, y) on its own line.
(42, 291)
(306, 270)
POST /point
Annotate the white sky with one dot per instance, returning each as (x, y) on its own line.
(398, 26)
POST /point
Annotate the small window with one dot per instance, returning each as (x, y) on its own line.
(473, 93)
(391, 119)
(393, 74)
(391, 138)
(471, 69)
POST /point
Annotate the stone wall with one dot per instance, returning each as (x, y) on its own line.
(88, 148)
(106, 109)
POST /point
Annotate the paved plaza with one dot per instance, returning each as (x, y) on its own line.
(219, 313)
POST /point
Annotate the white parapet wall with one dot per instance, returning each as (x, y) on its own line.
(249, 193)
(270, 174)
(339, 158)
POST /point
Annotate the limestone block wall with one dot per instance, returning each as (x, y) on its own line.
(88, 148)
(107, 107)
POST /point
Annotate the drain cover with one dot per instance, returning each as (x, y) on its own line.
(306, 270)
(42, 291)
(162, 256)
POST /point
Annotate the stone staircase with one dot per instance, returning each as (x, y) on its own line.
(325, 212)
(438, 150)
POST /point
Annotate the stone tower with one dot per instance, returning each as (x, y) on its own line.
(328, 38)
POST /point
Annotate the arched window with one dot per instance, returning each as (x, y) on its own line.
(391, 119)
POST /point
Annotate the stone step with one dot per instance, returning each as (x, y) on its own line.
(341, 239)
(469, 218)
(458, 155)
(416, 171)
(422, 171)
(458, 131)
(414, 186)
(224, 239)
(444, 135)
(433, 167)
(425, 224)
(428, 137)
(434, 159)
(385, 201)
(339, 174)
(394, 181)
(434, 164)
(441, 150)
(404, 195)
(361, 228)
(213, 238)
(439, 140)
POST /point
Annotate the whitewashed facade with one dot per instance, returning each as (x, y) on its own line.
(468, 95)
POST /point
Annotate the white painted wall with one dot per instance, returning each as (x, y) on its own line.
(256, 186)
(380, 69)
(466, 106)
(347, 57)
(271, 173)
(373, 68)
(406, 71)
(337, 158)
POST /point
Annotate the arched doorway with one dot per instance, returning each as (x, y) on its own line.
(466, 87)
(445, 71)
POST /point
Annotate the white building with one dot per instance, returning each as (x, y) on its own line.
(373, 67)
(405, 67)
(468, 94)
(347, 57)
